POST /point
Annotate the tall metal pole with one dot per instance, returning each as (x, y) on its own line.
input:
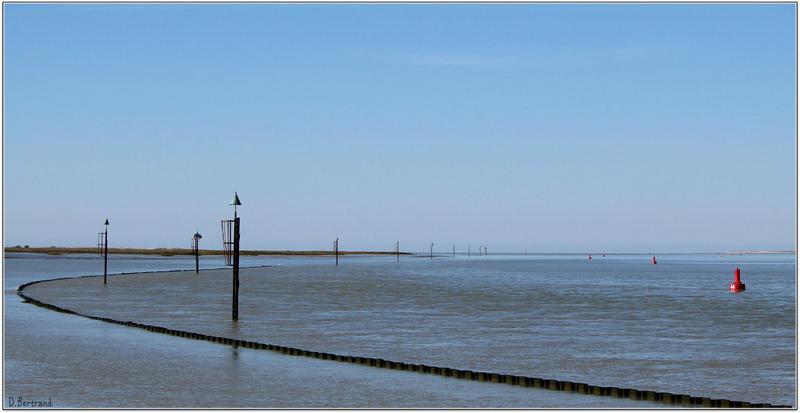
(105, 256)
(397, 251)
(196, 256)
(226, 241)
(336, 249)
(431, 250)
(235, 298)
(235, 267)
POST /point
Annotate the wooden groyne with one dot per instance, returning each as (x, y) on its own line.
(671, 399)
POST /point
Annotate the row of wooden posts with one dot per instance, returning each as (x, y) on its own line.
(482, 251)
(230, 244)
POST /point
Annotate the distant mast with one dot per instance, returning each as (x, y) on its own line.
(336, 249)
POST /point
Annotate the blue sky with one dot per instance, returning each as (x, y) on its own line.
(546, 127)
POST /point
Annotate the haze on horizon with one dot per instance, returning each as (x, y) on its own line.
(546, 127)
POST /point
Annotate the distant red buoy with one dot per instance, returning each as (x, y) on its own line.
(737, 285)
(654, 260)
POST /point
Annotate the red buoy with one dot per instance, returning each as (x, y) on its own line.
(654, 260)
(737, 285)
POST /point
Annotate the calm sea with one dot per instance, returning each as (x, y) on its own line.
(615, 320)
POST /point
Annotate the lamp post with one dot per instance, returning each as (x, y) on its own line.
(105, 254)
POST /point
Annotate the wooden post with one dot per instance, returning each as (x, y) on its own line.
(235, 268)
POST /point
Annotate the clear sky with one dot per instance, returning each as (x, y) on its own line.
(574, 128)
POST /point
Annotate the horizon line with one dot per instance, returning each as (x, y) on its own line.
(447, 253)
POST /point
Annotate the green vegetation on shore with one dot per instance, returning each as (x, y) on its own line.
(167, 252)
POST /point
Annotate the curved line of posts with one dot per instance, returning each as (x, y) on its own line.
(524, 381)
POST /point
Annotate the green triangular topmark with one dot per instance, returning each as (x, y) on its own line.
(236, 200)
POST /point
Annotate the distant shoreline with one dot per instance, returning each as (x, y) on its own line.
(759, 252)
(168, 252)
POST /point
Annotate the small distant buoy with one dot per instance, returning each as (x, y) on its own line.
(654, 260)
(590, 256)
(737, 285)
(604, 255)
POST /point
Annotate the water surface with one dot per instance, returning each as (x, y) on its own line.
(616, 321)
